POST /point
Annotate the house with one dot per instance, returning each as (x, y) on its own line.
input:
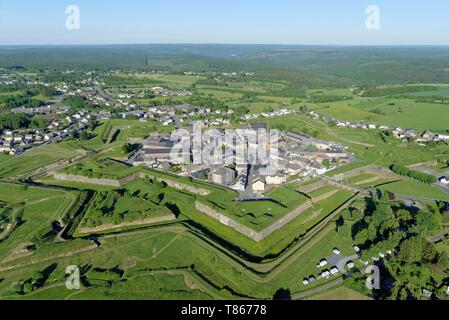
(443, 137)
(444, 180)
(323, 263)
(15, 151)
(4, 148)
(319, 168)
(277, 179)
(410, 133)
(428, 135)
(258, 185)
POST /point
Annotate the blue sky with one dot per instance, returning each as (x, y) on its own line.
(231, 21)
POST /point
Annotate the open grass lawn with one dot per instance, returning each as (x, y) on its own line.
(40, 208)
(35, 159)
(176, 82)
(127, 129)
(396, 112)
(343, 110)
(99, 167)
(360, 178)
(341, 293)
(159, 253)
(143, 199)
(410, 187)
(376, 151)
(4, 157)
(331, 92)
(441, 92)
(419, 116)
(257, 107)
(258, 214)
(155, 287)
(346, 168)
(219, 93)
(322, 191)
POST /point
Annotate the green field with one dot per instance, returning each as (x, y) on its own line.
(39, 208)
(441, 92)
(411, 187)
(343, 294)
(36, 159)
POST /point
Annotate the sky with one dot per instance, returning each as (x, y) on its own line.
(313, 22)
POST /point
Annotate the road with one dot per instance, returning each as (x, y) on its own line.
(439, 237)
(100, 91)
(315, 291)
(431, 172)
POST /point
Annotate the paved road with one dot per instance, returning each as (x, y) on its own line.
(99, 89)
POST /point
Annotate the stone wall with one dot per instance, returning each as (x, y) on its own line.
(124, 181)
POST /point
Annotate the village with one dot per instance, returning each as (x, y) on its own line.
(299, 156)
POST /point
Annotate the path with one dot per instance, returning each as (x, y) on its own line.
(321, 289)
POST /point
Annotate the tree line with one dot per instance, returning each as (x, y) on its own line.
(417, 175)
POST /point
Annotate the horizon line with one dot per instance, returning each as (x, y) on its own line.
(218, 44)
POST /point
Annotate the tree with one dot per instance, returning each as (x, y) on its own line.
(93, 124)
(427, 223)
(84, 135)
(38, 122)
(14, 121)
(403, 215)
(411, 250)
(361, 237)
(282, 294)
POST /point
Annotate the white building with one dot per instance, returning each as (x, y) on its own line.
(258, 185)
(277, 179)
(444, 180)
